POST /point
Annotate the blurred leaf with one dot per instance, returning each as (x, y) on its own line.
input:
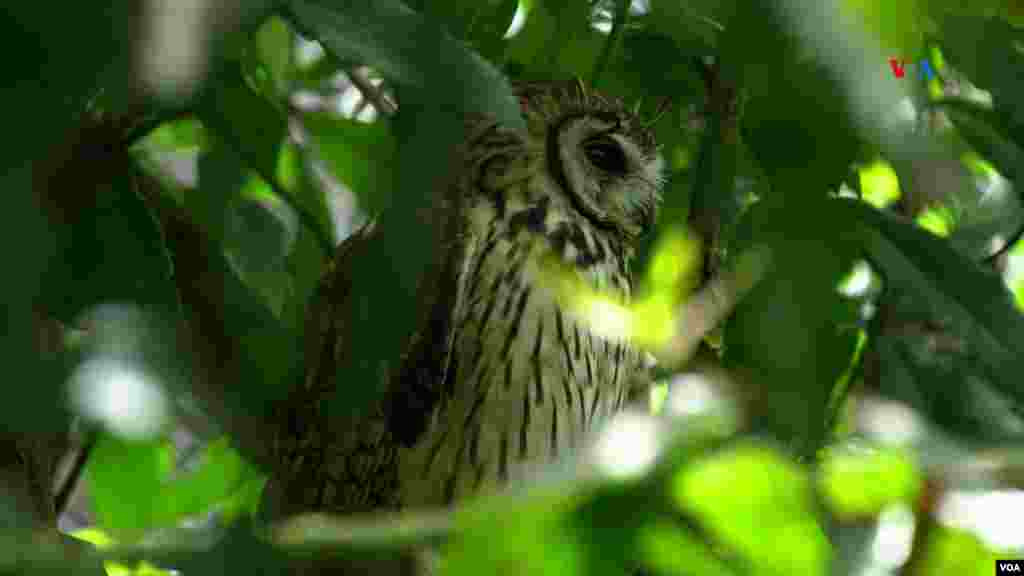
(239, 551)
(948, 387)
(668, 549)
(697, 24)
(952, 551)
(899, 26)
(408, 50)
(125, 480)
(662, 68)
(951, 286)
(246, 122)
(63, 58)
(386, 304)
(359, 154)
(271, 57)
(786, 330)
(221, 175)
(27, 248)
(236, 337)
(178, 135)
(108, 230)
(860, 483)
(747, 492)
(221, 475)
(811, 115)
(556, 41)
(481, 24)
(987, 50)
(879, 183)
(1007, 157)
(527, 530)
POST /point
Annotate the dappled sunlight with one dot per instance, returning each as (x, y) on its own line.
(518, 20)
(889, 423)
(858, 282)
(663, 318)
(937, 220)
(994, 516)
(629, 446)
(115, 385)
(893, 538)
(879, 184)
(123, 397)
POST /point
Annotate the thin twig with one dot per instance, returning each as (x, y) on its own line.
(63, 496)
(370, 92)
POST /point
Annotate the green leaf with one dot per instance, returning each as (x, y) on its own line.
(179, 135)
(786, 331)
(811, 116)
(991, 143)
(661, 67)
(951, 286)
(481, 24)
(272, 56)
(221, 474)
(861, 483)
(691, 24)
(125, 480)
(505, 537)
(245, 121)
(947, 387)
(748, 492)
(252, 346)
(111, 231)
(408, 50)
(971, 44)
(221, 175)
(359, 154)
(556, 41)
(388, 303)
(27, 246)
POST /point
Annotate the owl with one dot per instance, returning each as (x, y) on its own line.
(499, 375)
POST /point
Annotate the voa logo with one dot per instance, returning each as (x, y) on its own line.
(1008, 567)
(899, 68)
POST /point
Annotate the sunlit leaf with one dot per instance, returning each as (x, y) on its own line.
(859, 483)
(125, 479)
(750, 491)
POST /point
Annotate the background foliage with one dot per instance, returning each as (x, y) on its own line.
(175, 183)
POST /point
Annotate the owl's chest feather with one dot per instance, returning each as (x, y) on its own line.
(526, 379)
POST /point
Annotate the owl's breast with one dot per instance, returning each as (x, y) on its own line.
(527, 379)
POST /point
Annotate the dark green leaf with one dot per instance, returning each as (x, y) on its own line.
(111, 233)
(797, 121)
(246, 122)
(952, 287)
(785, 331)
(221, 175)
(945, 387)
(360, 155)
(388, 302)
(1007, 157)
(556, 42)
(408, 50)
(988, 51)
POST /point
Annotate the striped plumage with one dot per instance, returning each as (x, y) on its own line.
(500, 374)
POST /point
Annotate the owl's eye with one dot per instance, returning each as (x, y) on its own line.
(606, 154)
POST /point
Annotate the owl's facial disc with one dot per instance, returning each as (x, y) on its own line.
(608, 177)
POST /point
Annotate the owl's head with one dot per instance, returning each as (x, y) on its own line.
(598, 152)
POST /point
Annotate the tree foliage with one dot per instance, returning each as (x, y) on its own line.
(176, 183)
